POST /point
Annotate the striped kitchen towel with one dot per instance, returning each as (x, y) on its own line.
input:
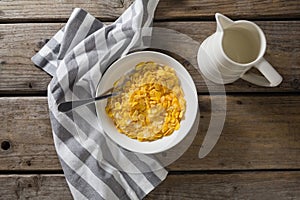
(76, 57)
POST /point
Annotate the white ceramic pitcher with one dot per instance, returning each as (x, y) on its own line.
(232, 50)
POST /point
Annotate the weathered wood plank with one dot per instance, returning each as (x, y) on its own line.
(25, 131)
(19, 42)
(256, 185)
(34, 10)
(36, 187)
(261, 132)
(168, 9)
(245, 185)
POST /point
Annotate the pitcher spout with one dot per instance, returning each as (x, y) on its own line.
(222, 22)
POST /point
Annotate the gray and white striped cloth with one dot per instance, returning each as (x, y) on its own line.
(76, 57)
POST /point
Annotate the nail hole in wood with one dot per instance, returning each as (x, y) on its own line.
(239, 102)
(28, 162)
(296, 84)
(41, 43)
(5, 145)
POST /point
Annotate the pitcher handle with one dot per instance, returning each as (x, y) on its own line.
(270, 78)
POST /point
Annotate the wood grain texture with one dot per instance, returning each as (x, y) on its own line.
(170, 9)
(249, 185)
(19, 42)
(34, 187)
(260, 132)
(34, 10)
(26, 126)
(256, 185)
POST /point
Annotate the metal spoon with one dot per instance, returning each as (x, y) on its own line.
(70, 105)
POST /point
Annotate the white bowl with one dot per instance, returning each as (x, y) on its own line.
(127, 63)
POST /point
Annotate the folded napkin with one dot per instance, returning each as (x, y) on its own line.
(76, 57)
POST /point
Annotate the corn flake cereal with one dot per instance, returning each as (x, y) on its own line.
(150, 103)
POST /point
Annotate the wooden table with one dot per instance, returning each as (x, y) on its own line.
(258, 154)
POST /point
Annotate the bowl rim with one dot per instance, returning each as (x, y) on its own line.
(191, 86)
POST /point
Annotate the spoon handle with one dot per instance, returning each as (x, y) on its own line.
(70, 105)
